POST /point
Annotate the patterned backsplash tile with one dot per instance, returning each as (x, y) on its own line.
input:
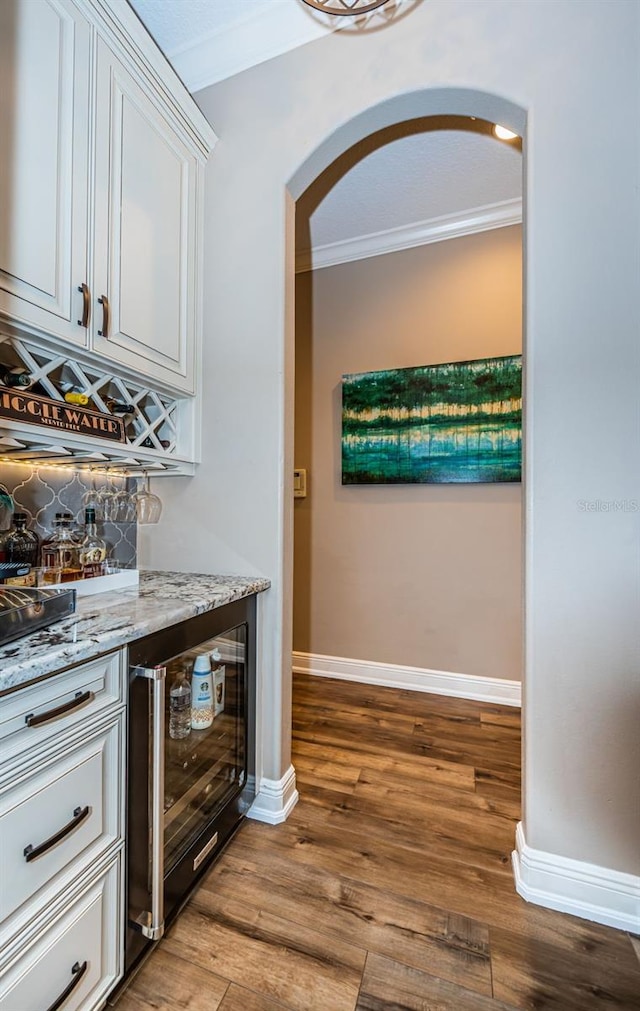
(42, 492)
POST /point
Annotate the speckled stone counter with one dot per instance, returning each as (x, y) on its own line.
(108, 620)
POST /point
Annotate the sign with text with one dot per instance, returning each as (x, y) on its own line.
(36, 410)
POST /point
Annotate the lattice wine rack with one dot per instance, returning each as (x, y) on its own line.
(159, 431)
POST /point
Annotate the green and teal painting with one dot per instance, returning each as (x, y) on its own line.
(434, 424)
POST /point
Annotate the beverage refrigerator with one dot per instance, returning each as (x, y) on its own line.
(187, 797)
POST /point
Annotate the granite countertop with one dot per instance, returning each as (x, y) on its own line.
(106, 621)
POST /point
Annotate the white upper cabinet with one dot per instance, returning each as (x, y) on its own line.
(101, 168)
(45, 52)
(145, 231)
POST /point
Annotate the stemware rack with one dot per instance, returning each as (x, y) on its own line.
(160, 435)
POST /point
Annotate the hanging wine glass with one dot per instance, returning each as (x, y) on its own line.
(124, 507)
(90, 498)
(148, 505)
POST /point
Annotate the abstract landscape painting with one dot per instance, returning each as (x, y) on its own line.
(434, 424)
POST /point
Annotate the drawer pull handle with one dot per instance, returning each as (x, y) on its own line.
(77, 971)
(32, 852)
(81, 699)
(106, 317)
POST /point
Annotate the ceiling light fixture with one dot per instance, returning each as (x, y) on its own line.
(502, 133)
(345, 8)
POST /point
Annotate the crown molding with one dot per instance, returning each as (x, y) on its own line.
(420, 233)
(260, 36)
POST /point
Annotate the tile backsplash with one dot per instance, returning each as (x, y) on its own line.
(42, 492)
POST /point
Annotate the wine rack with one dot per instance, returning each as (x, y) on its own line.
(159, 433)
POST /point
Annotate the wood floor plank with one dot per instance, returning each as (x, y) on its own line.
(281, 960)
(436, 940)
(167, 982)
(238, 998)
(396, 853)
(392, 986)
(531, 974)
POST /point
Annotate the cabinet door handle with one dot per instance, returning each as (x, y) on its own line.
(86, 305)
(77, 972)
(106, 317)
(81, 699)
(32, 852)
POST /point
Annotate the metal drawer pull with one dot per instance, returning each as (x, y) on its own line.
(80, 699)
(31, 852)
(86, 305)
(77, 972)
(106, 316)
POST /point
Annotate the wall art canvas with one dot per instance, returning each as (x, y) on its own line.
(434, 424)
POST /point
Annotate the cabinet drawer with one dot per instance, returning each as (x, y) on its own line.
(55, 823)
(80, 951)
(38, 714)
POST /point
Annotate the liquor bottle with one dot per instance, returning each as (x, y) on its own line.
(201, 693)
(180, 708)
(62, 549)
(16, 376)
(81, 399)
(21, 545)
(93, 550)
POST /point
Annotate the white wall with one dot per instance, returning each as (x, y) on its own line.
(574, 68)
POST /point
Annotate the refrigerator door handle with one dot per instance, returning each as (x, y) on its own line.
(151, 922)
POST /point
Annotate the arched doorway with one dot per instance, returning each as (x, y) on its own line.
(428, 102)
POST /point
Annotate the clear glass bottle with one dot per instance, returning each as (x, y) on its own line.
(62, 550)
(93, 550)
(180, 707)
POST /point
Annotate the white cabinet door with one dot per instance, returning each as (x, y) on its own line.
(44, 126)
(145, 234)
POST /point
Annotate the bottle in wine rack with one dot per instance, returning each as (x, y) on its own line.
(15, 376)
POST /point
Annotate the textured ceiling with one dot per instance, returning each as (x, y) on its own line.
(415, 178)
(404, 180)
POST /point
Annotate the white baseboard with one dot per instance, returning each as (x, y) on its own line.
(571, 886)
(276, 799)
(417, 679)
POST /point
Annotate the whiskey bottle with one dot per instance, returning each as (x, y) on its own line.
(93, 550)
(21, 545)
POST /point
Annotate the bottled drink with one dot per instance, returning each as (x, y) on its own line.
(17, 376)
(76, 398)
(93, 550)
(62, 550)
(201, 692)
(218, 672)
(180, 707)
(20, 545)
(118, 406)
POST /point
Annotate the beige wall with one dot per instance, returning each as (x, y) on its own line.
(420, 575)
(570, 84)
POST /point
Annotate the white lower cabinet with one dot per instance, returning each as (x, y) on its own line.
(75, 960)
(62, 839)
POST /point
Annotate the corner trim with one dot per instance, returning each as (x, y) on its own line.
(418, 233)
(276, 799)
(418, 679)
(572, 886)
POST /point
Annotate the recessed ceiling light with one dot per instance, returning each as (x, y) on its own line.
(502, 133)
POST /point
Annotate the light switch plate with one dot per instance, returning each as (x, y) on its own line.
(299, 483)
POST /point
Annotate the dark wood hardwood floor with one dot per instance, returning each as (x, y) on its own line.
(390, 887)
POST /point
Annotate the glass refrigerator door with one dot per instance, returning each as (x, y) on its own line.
(207, 767)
